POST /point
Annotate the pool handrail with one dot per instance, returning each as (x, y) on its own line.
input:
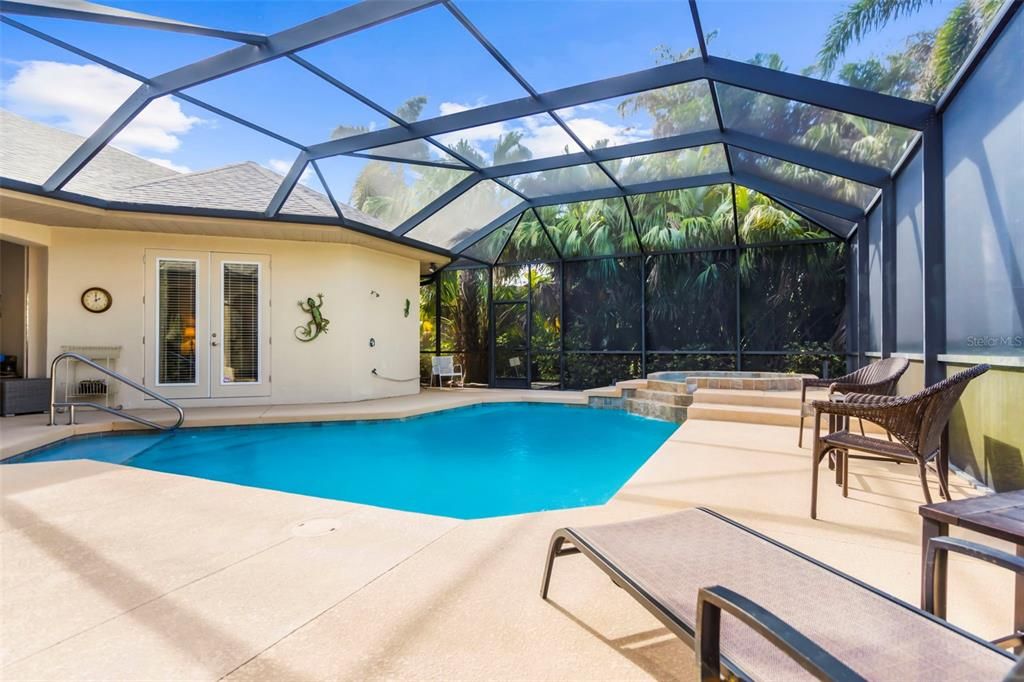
(71, 405)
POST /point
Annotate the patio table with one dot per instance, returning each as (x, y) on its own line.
(1000, 516)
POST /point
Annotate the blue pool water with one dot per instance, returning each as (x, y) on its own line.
(468, 463)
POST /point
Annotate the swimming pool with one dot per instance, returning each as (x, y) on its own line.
(468, 463)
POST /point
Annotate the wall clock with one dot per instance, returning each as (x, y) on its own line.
(96, 300)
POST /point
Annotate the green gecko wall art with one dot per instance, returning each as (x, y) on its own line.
(316, 326)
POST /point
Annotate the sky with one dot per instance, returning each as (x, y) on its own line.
(552, 43)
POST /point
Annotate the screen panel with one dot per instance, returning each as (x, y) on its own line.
(691, 218)
(590, 228)
(792, 298)
(602, 304)
(691, 301)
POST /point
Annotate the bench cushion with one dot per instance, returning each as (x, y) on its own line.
(671, 557)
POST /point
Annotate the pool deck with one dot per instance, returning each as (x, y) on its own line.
(111, 572)
(25, 432)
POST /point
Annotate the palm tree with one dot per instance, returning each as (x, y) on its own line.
(936, 56)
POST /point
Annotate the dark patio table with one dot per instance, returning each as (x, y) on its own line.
(1000, 516)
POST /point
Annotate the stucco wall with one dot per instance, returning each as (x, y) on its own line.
(335, 367)
(912, 380)
(38, 261)
(986, 433)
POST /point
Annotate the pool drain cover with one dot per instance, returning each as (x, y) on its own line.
(313, 527)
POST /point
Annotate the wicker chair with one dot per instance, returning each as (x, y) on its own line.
(878, 378)
(916, 421)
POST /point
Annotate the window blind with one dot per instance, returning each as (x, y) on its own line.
(176, 352)
(241, 330)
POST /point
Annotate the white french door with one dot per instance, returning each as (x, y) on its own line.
(208, 324)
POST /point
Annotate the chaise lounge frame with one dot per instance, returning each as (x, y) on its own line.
(716, 597)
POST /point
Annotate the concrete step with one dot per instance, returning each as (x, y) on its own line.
(748, 414)
(667, 397)
(721, 396)
(752, 414)
(656, 410)
(667, 386)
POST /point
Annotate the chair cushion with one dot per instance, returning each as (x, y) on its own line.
(877, 446)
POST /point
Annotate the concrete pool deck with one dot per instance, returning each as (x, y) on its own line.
(111, 572)
(26, 432)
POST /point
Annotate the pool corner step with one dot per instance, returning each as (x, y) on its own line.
(667, 397)
(656, 409)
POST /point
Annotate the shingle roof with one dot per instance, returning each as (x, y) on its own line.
(31, 151)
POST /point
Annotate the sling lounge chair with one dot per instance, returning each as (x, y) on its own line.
(817, 615)
(878, 378)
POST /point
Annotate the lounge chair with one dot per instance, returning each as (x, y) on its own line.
(799, 615)
(442, 366)
(878, 378)
(916, 422)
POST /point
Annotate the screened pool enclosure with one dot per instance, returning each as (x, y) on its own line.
(609, 188)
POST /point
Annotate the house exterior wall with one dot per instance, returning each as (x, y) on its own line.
(335, 367)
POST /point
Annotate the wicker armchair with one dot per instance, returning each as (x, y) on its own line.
(878, 378)
(916, 422)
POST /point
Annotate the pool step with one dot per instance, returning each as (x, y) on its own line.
(756, 407)
(781, 399)
(667, 386)
(749, 414)
(667, 397)
(656, 410)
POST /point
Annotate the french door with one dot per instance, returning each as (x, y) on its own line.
(208, 324)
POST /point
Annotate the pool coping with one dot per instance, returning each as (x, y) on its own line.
(39, 435)
(117, 433)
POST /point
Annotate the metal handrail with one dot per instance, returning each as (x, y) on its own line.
(54, 403)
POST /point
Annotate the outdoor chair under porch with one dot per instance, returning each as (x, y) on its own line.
(878, 378)
(917, 423)
(765, 611)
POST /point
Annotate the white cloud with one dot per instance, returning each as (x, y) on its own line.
(282, 167)
(590, 130)
(474, 136)
(79, 97)
(544, 138)
(453, 108)
(167, 163)
(279, 166)
(541, 135)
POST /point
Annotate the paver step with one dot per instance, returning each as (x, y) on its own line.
(667, 386)
(745, 413)
(667, 397)
(656, 410)
(718, 396)
(751, 414)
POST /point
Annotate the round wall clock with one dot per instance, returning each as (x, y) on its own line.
(96, 300)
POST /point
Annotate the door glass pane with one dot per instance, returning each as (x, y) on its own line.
(545, 306)
(176, 321)
(510, 364)
(510, 325)
(241, 330)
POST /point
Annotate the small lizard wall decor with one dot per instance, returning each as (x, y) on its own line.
(316, 326)
(407, 307)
